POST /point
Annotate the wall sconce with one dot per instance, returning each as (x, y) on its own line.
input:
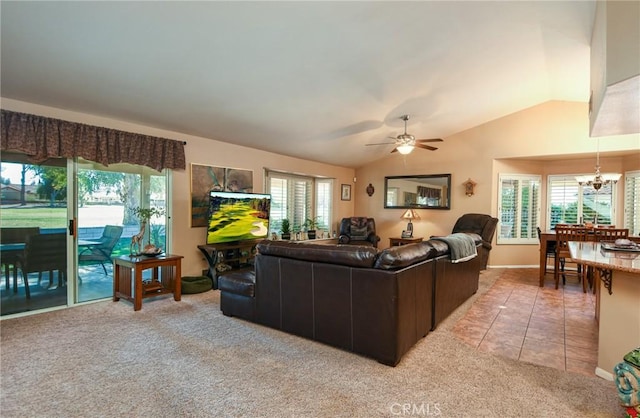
(469, 186)
(370, 190)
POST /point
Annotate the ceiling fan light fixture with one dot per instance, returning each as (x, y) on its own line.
(405, 149)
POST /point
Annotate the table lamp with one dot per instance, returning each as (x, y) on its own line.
(409, 214)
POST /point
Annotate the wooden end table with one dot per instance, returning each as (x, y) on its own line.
(165, 278)
(394, 242)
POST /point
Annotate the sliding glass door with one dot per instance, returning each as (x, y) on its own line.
(107, 199)
(33, 235)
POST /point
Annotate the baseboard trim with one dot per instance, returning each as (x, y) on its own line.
(511, 266)
(604, 374)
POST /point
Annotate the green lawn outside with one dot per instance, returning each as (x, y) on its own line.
(44, 217)
(47, 217)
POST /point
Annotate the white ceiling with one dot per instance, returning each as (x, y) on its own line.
(316, 80)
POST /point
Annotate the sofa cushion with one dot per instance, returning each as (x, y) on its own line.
(359, 233)
(404, 255)
(346, 255)
(441, 248)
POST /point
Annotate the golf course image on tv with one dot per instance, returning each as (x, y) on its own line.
(237, 216)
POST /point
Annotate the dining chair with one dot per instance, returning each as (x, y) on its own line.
(550, 252)
(605, 233)
(563, 236)
(610, 234)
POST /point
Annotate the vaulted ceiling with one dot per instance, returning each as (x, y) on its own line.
(316, 80)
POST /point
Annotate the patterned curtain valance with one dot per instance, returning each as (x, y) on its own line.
(428, 192)
(41, 138)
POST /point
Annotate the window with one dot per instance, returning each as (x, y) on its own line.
(299, 198)
(568, 202)
(518, 209)
(632, 202)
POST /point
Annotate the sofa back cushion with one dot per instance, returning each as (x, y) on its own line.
(346, 255)
(404, 255)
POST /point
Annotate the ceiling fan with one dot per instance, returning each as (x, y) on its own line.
(405, 143)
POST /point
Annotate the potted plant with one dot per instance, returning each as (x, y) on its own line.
(285, 229)
(311, 225)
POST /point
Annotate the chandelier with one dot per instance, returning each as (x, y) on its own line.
(600, 179)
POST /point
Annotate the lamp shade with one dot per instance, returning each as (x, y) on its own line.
(410, 214)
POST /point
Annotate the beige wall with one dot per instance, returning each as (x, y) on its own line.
(209, 152)
(524, 142)
(529, 141)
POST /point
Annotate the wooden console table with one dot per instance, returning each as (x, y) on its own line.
(165, 278)
(394, 242)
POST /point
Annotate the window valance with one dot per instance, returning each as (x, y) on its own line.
(41, 138)
(429, 192)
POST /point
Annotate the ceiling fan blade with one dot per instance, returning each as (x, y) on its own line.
(430, 140)
(381, 143)
(394, 150)
(430, 148)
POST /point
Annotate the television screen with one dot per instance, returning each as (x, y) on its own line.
(237, 216)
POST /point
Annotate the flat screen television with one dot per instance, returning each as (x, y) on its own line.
(237, 216)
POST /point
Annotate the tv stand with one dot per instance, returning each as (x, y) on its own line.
(228, 256)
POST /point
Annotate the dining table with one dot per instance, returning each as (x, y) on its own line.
(13, 250)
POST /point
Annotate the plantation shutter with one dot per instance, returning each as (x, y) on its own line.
(301, 202)
(279, 204)
(324, 188)
(571, 203)
(519, 209)
(563, 197)
(293, 198)
(632, 202)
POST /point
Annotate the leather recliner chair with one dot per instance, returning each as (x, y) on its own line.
(358, 231)
(481, 224)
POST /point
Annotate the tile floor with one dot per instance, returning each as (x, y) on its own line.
(518, 319)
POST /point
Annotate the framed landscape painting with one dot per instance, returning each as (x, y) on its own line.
(205, 178)
(346, 192)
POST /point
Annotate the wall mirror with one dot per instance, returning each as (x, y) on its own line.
(429, 191)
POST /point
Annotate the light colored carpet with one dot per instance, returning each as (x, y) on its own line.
(186, 359)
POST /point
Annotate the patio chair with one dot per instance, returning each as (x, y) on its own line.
(100, 252)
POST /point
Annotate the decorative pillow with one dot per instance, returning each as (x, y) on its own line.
(359, 233)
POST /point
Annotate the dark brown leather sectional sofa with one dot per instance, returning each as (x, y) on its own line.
(378, 303)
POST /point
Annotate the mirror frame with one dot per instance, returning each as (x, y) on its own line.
(444, 179)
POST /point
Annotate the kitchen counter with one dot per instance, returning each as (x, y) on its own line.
(617, 275)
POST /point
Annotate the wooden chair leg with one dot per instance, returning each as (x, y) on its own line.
(27, 292)
(556, 270)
